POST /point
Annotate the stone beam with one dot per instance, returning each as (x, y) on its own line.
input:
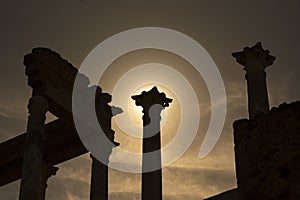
(62, 144)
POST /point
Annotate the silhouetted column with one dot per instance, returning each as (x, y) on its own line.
(32, 169)
(99, 178)
(153, 103)
(255, 60)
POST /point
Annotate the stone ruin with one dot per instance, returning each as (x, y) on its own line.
(267, 154)
(32, 156)
(266, 145)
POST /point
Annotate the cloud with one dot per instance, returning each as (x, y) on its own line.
(283, 87)
(137, 196)
(236, 92)
(201, 182)
(67, 189)
(10, 191)
(10, 126)
(124, 196)
(72, 182)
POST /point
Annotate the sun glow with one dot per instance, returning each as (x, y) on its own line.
(136, 112)
(169, 123)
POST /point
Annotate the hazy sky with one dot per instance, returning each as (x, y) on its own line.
(73, 28)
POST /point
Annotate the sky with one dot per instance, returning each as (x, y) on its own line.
(74, 28)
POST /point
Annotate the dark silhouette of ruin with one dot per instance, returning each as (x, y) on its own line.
(266, 145)
(267, 153)
(255, 60)
(33, 155)
(104, 112)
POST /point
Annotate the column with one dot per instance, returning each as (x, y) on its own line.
(32, 167)
(99, 178)
(153, 102)
(255, 60)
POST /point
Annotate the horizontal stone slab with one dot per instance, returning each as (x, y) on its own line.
(62, 144)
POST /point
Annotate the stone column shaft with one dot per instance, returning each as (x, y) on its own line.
(151, 181)
(32, 168)
(258, 100)
(153, 102)
(99, 180)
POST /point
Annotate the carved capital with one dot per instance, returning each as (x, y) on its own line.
(153, 102)
(105, 112)
(150, 98)
(254, 58)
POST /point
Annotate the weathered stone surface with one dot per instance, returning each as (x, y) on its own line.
(268, 155)
(53, 77)
(32, 166)
(105, 112)
(254, 58)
